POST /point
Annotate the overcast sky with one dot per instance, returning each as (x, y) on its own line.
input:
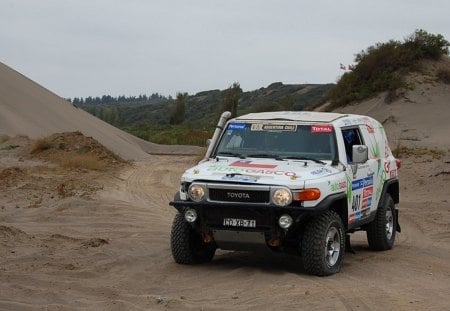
(130, 47)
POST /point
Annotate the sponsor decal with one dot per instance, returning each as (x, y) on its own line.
(242, 178)
(366, 203)
(367, 192)
(393, 173)
(252, 171)
(362, 183)
(248, 163)
(338, 185)
(322, 171)
(387, 166)
(321, 129)
(274, 127)
(369, 125)
(236, 126)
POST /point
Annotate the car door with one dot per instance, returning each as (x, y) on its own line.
(360, 178)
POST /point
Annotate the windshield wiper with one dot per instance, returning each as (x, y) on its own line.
(231, 154)
(303, 158)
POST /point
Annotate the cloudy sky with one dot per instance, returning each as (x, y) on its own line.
(130, 47)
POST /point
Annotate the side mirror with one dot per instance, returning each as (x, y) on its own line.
(208, 142)
(360, 154)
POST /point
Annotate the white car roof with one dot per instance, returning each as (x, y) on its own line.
(307, 116)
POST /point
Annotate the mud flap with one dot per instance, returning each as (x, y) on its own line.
(397, 225)
(348, 245)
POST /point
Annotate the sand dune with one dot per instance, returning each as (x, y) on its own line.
(103, 242)
(26, 108)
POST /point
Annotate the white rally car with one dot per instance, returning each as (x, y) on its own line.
(297, 182)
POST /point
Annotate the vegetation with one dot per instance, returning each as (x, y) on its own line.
(404, 152)
(191, 119)
(40, 145)
(3, 138)
(443, 75)
(383, 67)
(231, 99)
(178, 110)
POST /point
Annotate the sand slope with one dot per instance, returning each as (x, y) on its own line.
(105, 244)
(26, 108)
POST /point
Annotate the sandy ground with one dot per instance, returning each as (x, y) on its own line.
(103, 244)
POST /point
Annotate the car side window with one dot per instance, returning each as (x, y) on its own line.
(352, 137)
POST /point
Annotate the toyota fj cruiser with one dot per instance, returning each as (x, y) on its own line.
(297, 182)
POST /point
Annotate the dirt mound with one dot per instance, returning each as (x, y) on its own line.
(10, 232)
(11, 175)
(74, 150)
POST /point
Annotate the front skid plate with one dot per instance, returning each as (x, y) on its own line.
(239, 240)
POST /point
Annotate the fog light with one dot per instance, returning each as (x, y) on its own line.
(190, 215)
(285, 221)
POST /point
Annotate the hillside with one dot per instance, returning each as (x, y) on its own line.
(204, 107)
(27, 108)
(419, 117)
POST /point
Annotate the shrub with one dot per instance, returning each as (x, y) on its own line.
(82, 161)
(40, 145)
(383, 67)
(443, 75)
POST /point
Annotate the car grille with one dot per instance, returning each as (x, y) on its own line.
(239, 195)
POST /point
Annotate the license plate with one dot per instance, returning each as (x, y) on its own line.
(233, 222)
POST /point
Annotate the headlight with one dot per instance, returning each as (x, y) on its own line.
(196, 192)
(282, 197)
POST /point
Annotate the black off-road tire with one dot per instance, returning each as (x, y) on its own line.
(323, 236)
(382, 230)
(187, 244)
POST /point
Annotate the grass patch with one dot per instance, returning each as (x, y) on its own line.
(405, 152)
(3, 138)
(10, 147)
(443, 75)
(82, 161)
(40, 145)
(180, 134)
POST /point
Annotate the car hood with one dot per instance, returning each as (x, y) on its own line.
(259, 171)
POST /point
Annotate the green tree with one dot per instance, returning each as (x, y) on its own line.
(231, 99)
(178, 110)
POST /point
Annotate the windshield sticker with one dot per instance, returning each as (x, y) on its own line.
(247, 163)
(274, 127)
(236, 126)
(321, 129)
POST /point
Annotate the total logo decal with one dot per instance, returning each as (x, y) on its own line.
(248, 167)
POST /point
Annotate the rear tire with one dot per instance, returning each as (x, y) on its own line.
(381, 231)
(187, 244)
(323, 244)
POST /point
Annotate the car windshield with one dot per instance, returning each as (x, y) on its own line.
(278, 140)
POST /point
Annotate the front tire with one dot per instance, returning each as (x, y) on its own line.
(323, 244)
(381, 231)
(187, 244)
